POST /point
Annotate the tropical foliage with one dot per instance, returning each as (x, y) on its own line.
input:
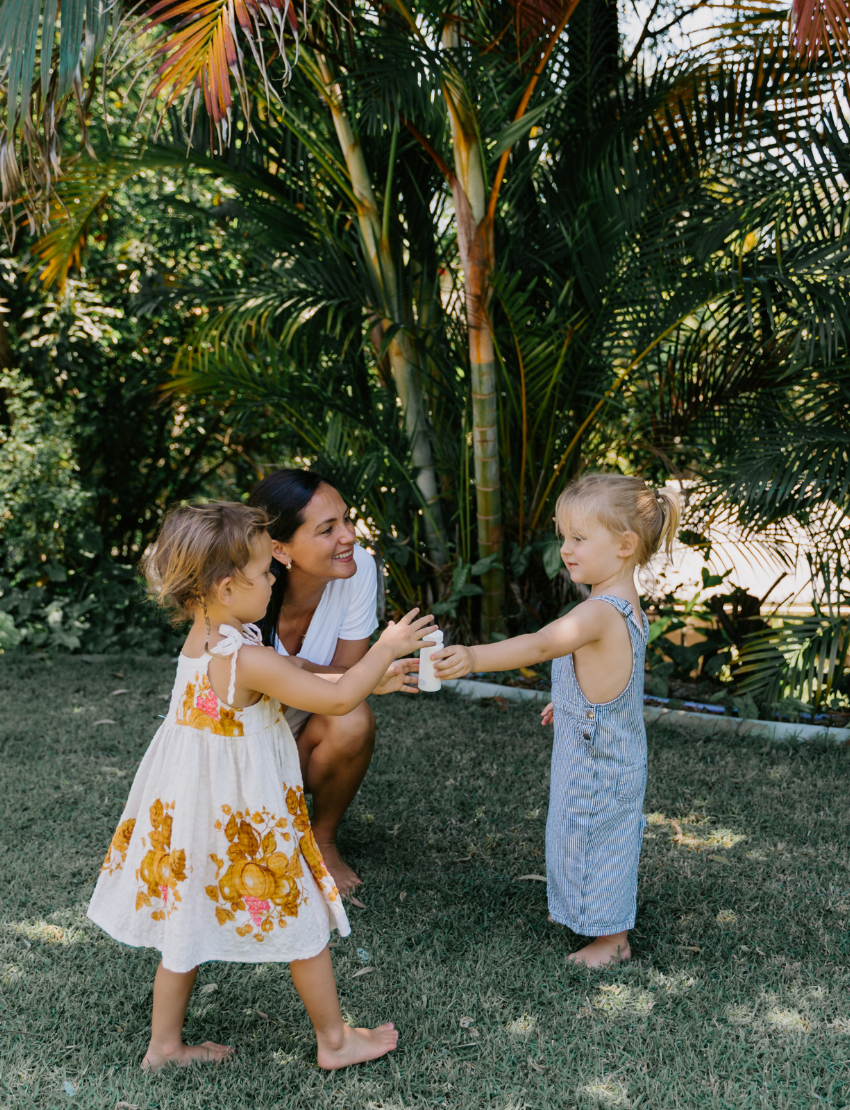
(481, 250)
(90, 450)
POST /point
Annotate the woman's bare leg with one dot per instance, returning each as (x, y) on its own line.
(339, 1044)
(171, 992)
(335, 754)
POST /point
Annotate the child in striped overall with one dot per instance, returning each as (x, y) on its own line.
(611, 524)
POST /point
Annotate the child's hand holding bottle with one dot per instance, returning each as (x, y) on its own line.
(453, 661)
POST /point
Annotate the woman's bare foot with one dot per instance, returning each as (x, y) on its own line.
(185, 1054)
(356, 1046)
(344, 878)
(603, 950)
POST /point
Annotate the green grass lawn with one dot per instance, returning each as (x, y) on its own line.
(738, 995)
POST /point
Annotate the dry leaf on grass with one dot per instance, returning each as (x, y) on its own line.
(689, 947)
(260, 1013)
(463, 859)
(721, 859)
(126, 1106)
(122, 690)
(356, 902)
(536, 878)
(363, 971)
(680, 838)
(209, 988)
(402, 896)
(105, 721)
(535, 1066)
(465, 1022)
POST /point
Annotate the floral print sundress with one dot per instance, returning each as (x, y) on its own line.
(214, 857)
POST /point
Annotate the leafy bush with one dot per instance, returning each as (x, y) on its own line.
(787, 666)
(42, 499)
(106, 612)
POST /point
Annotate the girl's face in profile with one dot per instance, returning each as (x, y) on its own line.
(248, 593)
(592, 553)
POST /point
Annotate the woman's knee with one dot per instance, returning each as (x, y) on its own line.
(353, 733)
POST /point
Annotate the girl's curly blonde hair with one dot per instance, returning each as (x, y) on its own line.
(197, 546)
(623, 504)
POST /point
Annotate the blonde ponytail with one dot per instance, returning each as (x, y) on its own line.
(668, 500)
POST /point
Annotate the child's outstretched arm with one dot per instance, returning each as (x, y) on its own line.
(579, 627)
(267, 672)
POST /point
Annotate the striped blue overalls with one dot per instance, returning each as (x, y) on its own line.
(595, 825)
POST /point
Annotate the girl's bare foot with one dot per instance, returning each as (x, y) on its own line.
(344, 878)
(356, 1046)
(604, 950)
(185, 1054)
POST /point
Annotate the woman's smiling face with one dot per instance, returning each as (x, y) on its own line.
(323, 546)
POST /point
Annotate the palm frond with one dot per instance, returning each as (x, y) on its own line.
(200, 51)
(803, 658)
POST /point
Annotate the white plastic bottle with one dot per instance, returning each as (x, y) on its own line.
(428, 681)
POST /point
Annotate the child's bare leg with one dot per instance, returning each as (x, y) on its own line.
(339, 1044)
(171, 991)
(604, 950)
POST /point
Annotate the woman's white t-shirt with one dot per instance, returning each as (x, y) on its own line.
(347, 611)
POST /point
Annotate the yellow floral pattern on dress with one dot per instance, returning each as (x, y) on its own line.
(162, 867)
(117, 851)
(256, 878)
(296, 803)
(201, 708)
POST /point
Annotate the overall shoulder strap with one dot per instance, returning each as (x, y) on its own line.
(627, 610)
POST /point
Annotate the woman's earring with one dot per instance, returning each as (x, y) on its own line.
(287, 566)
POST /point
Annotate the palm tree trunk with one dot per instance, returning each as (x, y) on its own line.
(475, 243)
(402, 355)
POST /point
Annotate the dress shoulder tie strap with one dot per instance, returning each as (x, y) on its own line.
(231, 641)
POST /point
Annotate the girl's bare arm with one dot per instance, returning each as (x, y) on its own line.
(583, 625)
(263, 670)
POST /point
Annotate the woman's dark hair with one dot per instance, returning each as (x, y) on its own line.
(284, 495)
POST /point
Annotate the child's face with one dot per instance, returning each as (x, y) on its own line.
(592, 553)
(247, 594)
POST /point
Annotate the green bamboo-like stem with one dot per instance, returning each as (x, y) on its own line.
(475, 243)
(401, 353)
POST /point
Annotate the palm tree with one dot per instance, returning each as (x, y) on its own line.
(514, 233)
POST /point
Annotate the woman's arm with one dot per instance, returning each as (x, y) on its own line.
(562, 637)
(347, 654)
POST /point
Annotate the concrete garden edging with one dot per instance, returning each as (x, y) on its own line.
(680, 718)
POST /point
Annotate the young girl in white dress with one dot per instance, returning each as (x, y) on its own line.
(611, 524)
(214, 857)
